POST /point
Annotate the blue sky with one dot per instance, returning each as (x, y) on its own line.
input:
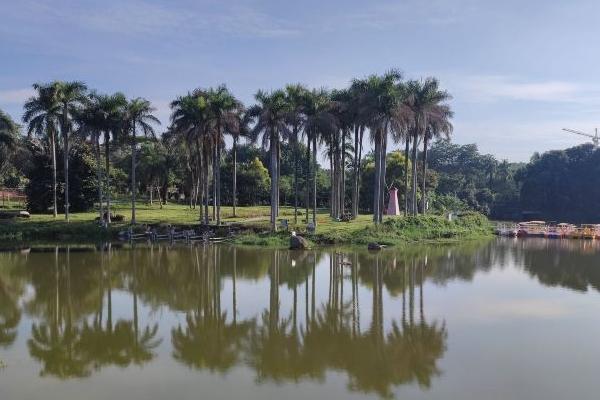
(519, 70)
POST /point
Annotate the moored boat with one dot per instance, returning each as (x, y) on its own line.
(532, 229)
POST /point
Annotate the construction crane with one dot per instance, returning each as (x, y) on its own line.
(594, 137)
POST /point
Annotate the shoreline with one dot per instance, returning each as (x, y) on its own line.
(394, 231)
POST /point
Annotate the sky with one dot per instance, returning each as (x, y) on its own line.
(519, 71)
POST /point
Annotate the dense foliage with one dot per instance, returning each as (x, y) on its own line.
(82, 185)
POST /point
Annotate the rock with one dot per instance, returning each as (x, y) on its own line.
(23, 214)
(298, 243)
(375, 246)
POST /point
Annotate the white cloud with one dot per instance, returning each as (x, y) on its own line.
(496, 87)
(15, 96)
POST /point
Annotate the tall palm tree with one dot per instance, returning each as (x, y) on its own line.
(112, 109)
(42, 114)
(320, 122)
(439, 127)
(224, 109)
(91, 122)
(427, 103)
(295, 95)
(70, 96)
(138, 116)
(237, 131)
(270, 114)
(381, 99)
(190, 120)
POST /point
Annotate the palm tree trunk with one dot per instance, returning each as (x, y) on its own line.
(382, 173)
(314, 211)
(414, 174)
(133, 185)
(53, 149)
(107, 168)
(331, 183)
(234, 150)
(343, 176)
(360, 146)
(65, 134)
(218, 181)
(295, 151)
(424, 178)
(355, 174)
(214, 183)
(377, 178)
(307, 178)
(278, 176)
(406, 157)
(206, 187)
(273, 183)
(98, 174)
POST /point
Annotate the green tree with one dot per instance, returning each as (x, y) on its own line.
(42, 115)
(269, 115)
(138, 116)
(70, 97)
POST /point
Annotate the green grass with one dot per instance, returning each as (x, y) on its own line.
(394, 230)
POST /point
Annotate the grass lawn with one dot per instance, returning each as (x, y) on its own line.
(359, 231)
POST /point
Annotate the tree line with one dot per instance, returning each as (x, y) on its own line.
(61, 115)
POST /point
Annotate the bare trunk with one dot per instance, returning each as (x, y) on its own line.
(314, 212)
(343, 176)
(414, 175)
(65, 134)
(53, 149)
(278, 177)
(382, 175)
(295, 150)
(98, 173)
(218, 181)
(234, 174)
(424, 178)
(133, 185)
(107, 177)
(307, 180)
(406, 157)
(355, 174)
(274, 174)
(377, 178)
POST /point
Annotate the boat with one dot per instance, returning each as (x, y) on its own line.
(565, 229)
(531, 229)
(589, 231)
(553, 232)
(506, 230)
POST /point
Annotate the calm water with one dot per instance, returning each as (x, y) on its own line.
(502, 320)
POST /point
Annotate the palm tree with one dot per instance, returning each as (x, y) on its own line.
(439, 126)
(295, 95)
(381, 106)
(320, 122)
(238, 130)
(42, 113)
(112, 108)
(270, 120)
(138, 115)
(428, 111)
(91, 123)
(8, 130)
(224, 110)
(190, 120)
(70, 96)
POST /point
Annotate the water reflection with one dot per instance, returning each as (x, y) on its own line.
(324, 311)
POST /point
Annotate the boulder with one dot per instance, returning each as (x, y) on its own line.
(298, 243)
(24, 214)
(375, 246)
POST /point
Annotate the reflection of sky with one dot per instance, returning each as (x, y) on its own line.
(509, 337)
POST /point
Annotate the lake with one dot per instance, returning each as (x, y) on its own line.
(502, 319)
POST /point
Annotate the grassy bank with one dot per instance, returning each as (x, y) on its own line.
(254, 222)
(393, 231)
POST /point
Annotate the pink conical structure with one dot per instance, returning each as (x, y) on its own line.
(393, 208)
